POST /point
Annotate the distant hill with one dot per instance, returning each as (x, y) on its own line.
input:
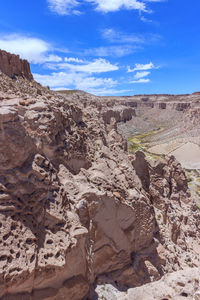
(69, 92)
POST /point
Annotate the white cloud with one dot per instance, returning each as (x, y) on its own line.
(73, 59)
(67, 81)
(143, 19)
(140, 67)
(112, 51)
(141, 80)
(63, 7)
(73, 80)
(155, 0)
(114, 36)
(32, 49)
(119, 37)
(115, 5)
(108, 91)
(99, 65)
(122, 44)
(66, 7)
(53, 58)
(55, 79)
(35, 50)
(143, 72)
(139, 75)
(91, 82)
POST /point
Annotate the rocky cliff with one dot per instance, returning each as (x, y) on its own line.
(175, 102)
(76, 209)
(119, 113)
(12, 65)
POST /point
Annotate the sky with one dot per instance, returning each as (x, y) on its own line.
(107, 47)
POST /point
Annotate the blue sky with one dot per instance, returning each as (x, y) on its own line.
(107, 47)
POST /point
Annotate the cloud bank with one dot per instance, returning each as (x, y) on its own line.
(66, 7)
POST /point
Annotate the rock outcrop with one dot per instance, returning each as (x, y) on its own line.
(174, 102)
(75, 208)
(12, 65)
(192, 118)
(176, 286)
(119, 113)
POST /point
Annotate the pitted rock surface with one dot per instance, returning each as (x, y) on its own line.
(75, 208)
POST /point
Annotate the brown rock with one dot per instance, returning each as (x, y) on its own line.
(12, 65)
(75, 208)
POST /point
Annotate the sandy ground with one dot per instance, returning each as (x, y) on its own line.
(188, 154)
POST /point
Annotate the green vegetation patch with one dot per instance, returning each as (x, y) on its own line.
(141, 142)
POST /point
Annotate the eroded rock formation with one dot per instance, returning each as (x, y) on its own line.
(12, 65)
(119, 113)
(75, 208)
(179, 285)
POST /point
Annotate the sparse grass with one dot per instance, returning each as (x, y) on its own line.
(135, 146)
(153, 156)
(158, 217)
(137, 142)
(142, 136)
(189, 177)
(141, 142)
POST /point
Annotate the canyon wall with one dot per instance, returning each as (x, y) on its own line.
(75, 208)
